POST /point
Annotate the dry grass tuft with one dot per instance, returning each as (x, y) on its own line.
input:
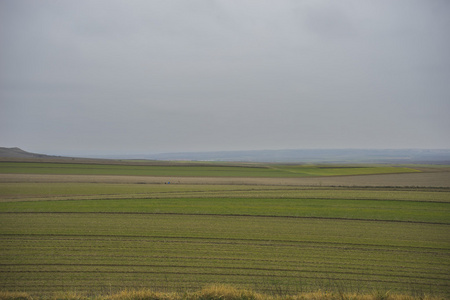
(14, 296)
(225, 292)
(69, 296)
(321, 295)
(218, 292)
(144, 294)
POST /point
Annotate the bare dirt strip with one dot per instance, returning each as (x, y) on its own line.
(423, 179)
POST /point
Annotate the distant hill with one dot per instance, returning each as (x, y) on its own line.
(19, 153)
(336, 156)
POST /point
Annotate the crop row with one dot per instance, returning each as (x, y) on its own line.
(177, 274)
(114, 250)
(44, 251)
(228, 227)
(432, 212)
(29, 191)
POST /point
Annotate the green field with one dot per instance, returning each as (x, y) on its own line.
(197, 171)
(103, 238)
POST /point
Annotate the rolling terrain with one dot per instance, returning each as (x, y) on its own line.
(99, 228)
(316, 156)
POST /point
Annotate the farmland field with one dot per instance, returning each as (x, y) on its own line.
(62, 234)
(195, 171)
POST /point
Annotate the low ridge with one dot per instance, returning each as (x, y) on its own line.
(16, 152)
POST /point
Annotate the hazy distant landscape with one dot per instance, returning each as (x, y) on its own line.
(397, 156)
(317, 156)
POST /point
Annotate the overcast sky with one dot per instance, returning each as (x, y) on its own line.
(118, 77)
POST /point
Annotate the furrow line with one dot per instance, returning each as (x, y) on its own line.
(230, 215)
(336, 269)
(362, 262)
(240, 241)
(359, 278)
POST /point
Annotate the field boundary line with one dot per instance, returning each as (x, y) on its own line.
(250, 275)
(243, 241)
(227, 215)
(182, 196)
(356, 266)
(354, 272)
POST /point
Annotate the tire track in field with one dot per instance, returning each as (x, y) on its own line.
(303, 261)
(240, 274)
(165, 272)
(229, 215)
(250, 241)
(242, 259)
(356, 264)
(202, 194)
(181, 266)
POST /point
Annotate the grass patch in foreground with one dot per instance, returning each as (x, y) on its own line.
(218, 292)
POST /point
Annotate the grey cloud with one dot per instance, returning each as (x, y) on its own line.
(137, 76)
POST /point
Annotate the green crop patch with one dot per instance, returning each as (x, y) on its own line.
(25, 191)
(393, 210)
